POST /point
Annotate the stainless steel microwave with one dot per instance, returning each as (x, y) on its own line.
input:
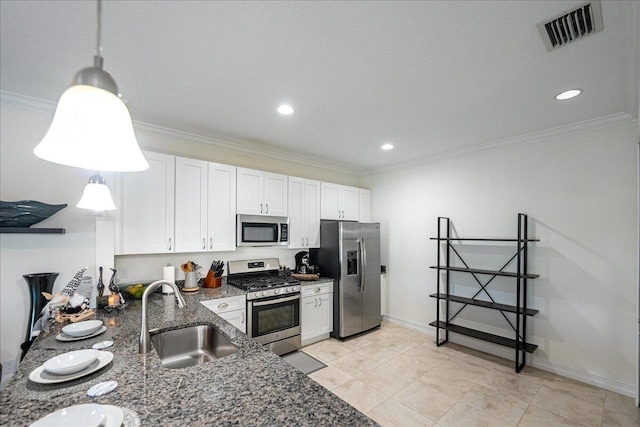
(255, 230)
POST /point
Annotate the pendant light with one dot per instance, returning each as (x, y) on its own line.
(92, 127)
(96, 195)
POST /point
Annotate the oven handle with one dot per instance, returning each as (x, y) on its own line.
(274, 301)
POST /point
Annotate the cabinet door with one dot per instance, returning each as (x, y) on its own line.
(191, 205)
(325, 313)
(275, 194)
(365, 205)
(297, 226)
(145, 215)
(330, 201)
(250, 191)
(237, 318)
(350, 203)
(221, 210)
(312, 213)
(310, 319)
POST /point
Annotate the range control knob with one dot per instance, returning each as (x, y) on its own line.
(288, 289)
(276, 291)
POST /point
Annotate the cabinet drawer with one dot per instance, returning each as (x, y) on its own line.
(319, 289)
(223, 305)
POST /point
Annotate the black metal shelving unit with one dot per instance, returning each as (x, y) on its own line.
(519, 342)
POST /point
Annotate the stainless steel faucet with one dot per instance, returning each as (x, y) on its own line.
(145, 338)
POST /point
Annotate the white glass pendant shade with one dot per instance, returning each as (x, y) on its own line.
(92, 129)
(96, 196)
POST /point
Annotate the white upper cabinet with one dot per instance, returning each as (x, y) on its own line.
(304, 213)
(144, 220)
(365, 205)
(340, 202)
(191, 205)
(205, 206)
(261, 193)
(222, 208)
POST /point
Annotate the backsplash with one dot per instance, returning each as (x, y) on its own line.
(149, 267)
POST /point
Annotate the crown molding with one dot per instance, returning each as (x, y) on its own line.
(529, 138)
(246, 148)
(251, 148)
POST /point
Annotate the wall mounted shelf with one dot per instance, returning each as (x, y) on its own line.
(26, 230)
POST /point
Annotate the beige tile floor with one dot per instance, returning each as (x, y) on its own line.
(399, 377)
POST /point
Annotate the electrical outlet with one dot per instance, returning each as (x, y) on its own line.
(123, 271)
(9, 367)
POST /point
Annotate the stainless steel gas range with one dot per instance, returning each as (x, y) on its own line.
(273, 303)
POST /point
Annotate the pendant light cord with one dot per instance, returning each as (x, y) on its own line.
(99, 35)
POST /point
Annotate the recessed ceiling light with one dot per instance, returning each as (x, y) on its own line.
(387, 147)
(285, 110)
(568, 94)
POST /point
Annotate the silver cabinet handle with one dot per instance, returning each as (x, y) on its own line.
(320, 299)
(316, 290)
(210, 242)
(243, 314)
(307, 241)
(169, 243)
(223, 305)
(204, 244)
(303, 241)
(267, 206)
(316, 301)
(260, 207)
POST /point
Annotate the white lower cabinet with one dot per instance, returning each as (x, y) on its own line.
(317, 312)
(231, 309)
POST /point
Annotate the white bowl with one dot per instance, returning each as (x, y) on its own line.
(81, 329)
(86, 415)
(71, 362)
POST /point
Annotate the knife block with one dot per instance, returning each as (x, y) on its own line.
(212, 282)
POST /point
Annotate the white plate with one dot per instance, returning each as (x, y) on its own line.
(64, 337)
(115, 416)
(81, 329)
(40, 376)
(70, 362)
(87, 415)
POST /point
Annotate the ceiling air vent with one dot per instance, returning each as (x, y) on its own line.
(571, 26)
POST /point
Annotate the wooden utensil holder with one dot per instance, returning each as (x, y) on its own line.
(211, 281)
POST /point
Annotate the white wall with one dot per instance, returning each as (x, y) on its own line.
(25, 177)
(581, 195)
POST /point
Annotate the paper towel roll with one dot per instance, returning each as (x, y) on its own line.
(168, 274)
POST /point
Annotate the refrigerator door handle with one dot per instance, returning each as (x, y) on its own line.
(363, 262)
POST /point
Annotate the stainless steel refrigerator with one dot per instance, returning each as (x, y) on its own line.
(350, 253)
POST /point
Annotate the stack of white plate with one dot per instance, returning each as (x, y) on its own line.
(81, 330)
(71, 365)
(86, 415)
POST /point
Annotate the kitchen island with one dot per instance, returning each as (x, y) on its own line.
(250, 387)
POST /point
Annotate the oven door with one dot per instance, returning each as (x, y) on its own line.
(276, 319)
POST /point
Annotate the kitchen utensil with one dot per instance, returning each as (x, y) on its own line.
(80, 329)
(71, 362)
(85, 415)
(66, 338)
(40, 376)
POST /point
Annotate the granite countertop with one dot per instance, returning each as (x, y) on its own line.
(250, 387)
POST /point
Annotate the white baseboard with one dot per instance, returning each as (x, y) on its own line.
(581, 375)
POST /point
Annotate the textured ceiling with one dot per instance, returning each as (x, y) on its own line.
(432, 77)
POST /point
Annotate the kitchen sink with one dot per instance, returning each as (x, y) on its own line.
(192, 345)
